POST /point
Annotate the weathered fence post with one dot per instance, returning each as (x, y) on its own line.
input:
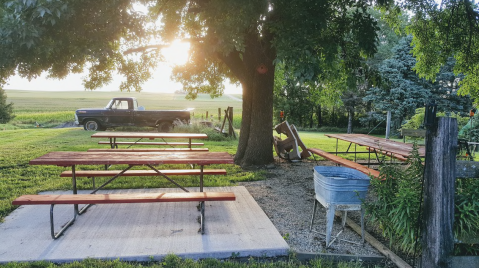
(439, 185)
(219, 114)
(388, 124)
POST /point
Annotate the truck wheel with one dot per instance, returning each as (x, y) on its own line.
(92, 125)
(164, 127)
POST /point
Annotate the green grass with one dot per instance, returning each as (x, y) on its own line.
(17, 177)
(173, 261)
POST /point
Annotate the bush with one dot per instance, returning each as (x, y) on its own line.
(417, 120)
(395, 207)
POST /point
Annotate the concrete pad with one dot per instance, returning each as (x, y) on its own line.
(140, 232)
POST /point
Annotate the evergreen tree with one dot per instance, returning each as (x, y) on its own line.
(6, 110)
(401, 91)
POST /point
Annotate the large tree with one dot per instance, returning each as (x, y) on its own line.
(239, 40)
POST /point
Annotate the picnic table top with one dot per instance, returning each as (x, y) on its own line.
(150, 135)
(385, 145)
(132, 158)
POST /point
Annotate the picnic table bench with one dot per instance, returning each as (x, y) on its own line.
(77, 199)
(345, 162)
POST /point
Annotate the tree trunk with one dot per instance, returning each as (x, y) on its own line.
(350, 120)
(318, 115)
(311, 118)
(256, 135)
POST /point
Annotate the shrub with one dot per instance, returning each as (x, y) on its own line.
(395, 207)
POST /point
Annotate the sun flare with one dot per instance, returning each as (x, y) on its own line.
(177, 53)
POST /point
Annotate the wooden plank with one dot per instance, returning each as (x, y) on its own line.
(345, 162)
(132, 158)
(111, 173)
(152, 150)
(123, 198)
(378, 245)
(153, 143)
(465, 261)
(467, 169)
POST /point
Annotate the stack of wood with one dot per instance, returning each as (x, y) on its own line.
(289, 147)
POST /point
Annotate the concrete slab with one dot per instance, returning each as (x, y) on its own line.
(140, 232)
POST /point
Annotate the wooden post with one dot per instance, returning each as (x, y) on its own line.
(230, 118)
(388, 124)
(219, 114)
(439, 185)
(206, 115)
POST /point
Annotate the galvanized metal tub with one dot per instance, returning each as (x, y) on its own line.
(340, 185)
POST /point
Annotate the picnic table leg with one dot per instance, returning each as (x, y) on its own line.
(52, 227)
(202, 222)
(314, 213)
(75, 211)
(189, 143)
(337, 146)
(202, 203)
(369, 156)
(74, 186)
(355, 150)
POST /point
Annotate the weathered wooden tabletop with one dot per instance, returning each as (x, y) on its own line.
(132, 158)
(385, 145)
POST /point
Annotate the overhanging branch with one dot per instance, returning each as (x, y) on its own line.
(143, 49)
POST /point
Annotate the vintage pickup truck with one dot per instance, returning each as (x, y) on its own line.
(126, 112)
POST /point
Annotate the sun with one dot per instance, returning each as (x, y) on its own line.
(177, 53)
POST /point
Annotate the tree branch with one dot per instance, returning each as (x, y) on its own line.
(144, 48)
(235, 63)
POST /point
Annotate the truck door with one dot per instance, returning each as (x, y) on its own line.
(120, 112)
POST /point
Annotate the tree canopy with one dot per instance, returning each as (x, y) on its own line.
(443, 29)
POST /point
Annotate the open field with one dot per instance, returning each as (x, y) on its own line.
(49, 108)
(46, 101)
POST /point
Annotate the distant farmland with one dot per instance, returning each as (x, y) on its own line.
(52, 107)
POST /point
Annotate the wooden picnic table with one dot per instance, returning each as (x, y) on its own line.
(385, 146)
(149, 159)
(113, 136)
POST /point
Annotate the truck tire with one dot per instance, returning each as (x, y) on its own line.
(92, 125)
(164, 126)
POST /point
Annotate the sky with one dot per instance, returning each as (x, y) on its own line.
(176, 54)
(160, 82)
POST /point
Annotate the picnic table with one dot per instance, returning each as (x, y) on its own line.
(378, 145)
(131, 159)
(113, 136)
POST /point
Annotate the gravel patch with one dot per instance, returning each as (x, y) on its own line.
(287, 197)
